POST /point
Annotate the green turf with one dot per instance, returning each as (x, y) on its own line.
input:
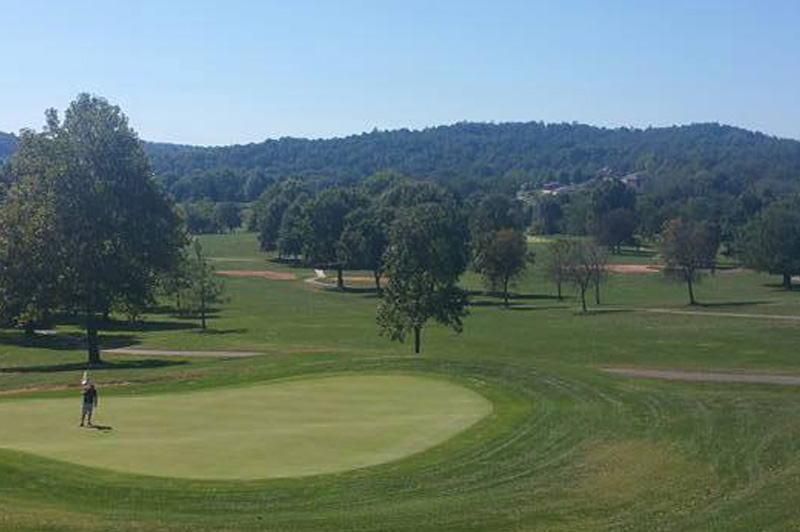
(566, 448)
(304, 427)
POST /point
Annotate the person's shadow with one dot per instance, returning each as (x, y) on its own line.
(101, 428)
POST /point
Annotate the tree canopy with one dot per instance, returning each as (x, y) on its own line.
(427, 254)
(771, 241)
(106, 227)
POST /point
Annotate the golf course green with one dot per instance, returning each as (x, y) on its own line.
(296, 428)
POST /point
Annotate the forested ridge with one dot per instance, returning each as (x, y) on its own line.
(8, 143)
(506, 155)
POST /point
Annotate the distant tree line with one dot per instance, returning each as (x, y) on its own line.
(205, 217)
(684, 161)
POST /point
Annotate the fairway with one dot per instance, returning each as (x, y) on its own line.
(296, 428)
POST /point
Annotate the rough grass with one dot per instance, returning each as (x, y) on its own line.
(566, 448)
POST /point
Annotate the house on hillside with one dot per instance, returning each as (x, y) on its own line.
(636, 180)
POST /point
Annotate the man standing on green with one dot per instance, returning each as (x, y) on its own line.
(89, 395)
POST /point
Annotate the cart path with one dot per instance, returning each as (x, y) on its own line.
(706, 376)
(178, 353)
(722, 314)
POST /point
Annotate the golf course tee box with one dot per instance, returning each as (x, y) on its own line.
(293, 428)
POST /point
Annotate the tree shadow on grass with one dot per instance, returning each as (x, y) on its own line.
(528, 308)
(64, 341)
(778, 287)
(733, 304)
(133, 326)
(214, 332)
(511, 296)
(291, 263)
(597, 311)
(148, 363)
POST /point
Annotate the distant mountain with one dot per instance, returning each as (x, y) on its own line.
(501, 156)
(507, 155)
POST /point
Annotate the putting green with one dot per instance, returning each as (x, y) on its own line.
(288, 429)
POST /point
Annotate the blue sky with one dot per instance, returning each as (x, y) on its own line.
(204, 72)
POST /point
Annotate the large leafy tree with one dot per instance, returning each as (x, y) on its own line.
(771, 242)
(107, 228)
(612, 213)
(505, 258)
(228, 215)
(498, 211)
(29, 251)
(499, 250)
(268, 211)
(364, 240)
(293, 229)
(615, 228)
(686, 249)
(427, 254)
(326, 216)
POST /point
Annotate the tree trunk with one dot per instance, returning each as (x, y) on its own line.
(787, 281)
(583, 297)
(505, 291)
(417, 333)
(30, 331)
(203, 311)
(339, 277)
(92, 344)
(691, 289)
(378, 282)
(558, 288)
(597, 291)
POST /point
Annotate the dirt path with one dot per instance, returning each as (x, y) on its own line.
(262, 274)
(722, 314)
(705, 376)
(171, 353)
(633, 268)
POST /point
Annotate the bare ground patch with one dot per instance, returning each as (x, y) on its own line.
(258, 274)
(777, 317)
(633, 268)
(708, 376)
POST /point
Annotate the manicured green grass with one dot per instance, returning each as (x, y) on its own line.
(294, 428)
(566, 447)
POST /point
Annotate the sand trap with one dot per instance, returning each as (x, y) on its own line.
(705, 376)
(633, 268)
(258, 274)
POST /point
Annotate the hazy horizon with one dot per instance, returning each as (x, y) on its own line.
(200, 73)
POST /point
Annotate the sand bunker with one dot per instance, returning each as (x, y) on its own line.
(262, 274)
(633, 268)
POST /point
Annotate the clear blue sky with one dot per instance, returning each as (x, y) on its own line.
(241, 71)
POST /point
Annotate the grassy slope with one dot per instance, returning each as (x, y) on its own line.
(566, 448)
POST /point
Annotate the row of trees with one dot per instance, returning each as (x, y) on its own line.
(416, 234)
(84, 229)
(687, 162)
(204, 217)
